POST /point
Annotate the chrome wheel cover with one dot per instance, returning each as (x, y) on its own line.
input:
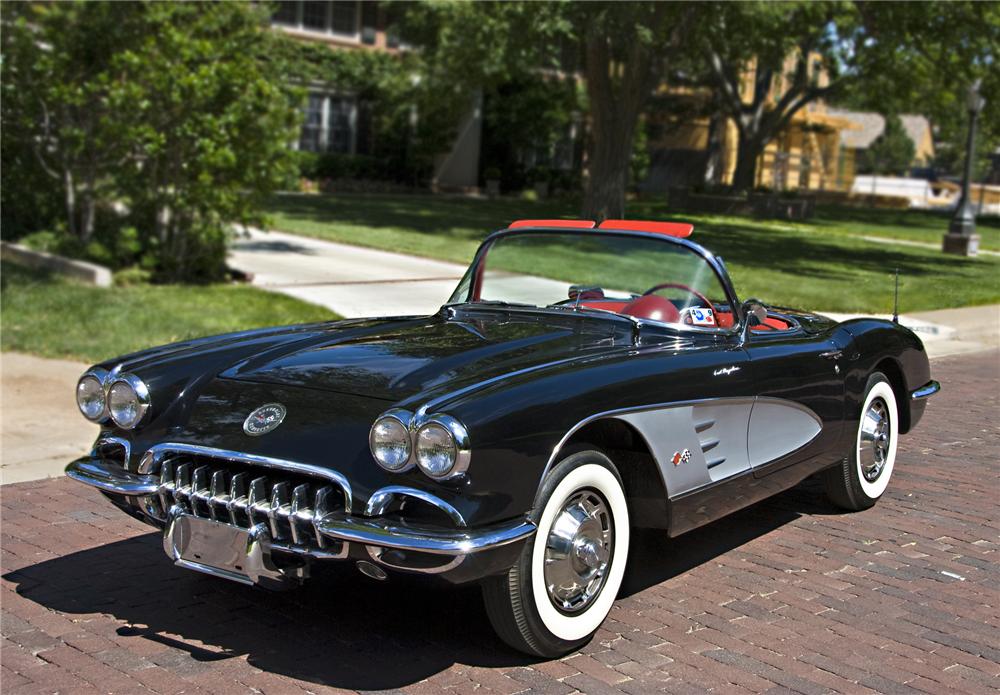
(578, 551)
(873, 446)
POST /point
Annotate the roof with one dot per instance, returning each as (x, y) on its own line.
(870, 125)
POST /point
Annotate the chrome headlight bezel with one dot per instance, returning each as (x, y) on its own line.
(460, 444)
(140, 394)
(403, 418)
(101, 377)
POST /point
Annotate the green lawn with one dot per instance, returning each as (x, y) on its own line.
(819, 266)
(911, 225)
(53, 317)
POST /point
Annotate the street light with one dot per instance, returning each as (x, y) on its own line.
(961, 238)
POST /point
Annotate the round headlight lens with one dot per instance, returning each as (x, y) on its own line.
(128, 401)
(436, 450)
(390, 443)
(90, 397)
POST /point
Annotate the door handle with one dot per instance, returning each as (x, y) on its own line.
(832, 354)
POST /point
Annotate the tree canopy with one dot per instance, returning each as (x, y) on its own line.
(168, 117)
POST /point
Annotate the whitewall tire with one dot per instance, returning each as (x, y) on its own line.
(568, 575)
(862, 478)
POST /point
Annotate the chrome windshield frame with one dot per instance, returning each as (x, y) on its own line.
(711, 259)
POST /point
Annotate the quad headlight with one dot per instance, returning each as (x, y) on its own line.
(389, 440)
(128, 401)
(438, 445)
(442, 447)
(90, 396)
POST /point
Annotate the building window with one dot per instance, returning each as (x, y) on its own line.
(345, 18)
(321, 16)
(330, 124)
(286, 12)
(314, 14)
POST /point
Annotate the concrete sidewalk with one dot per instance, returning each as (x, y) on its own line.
(41, 429)
(350, 280)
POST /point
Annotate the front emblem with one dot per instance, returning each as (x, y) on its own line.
(264, 419)
(681, 457)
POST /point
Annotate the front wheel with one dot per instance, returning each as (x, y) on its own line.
(860, 480)
(561, 589)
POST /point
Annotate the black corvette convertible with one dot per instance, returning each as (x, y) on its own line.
(580, 381)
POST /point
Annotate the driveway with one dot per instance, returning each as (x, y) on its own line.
(349, 280)
(790, 595)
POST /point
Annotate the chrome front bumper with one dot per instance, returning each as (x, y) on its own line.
(383, 538)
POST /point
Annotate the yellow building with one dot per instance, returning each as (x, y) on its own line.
(818, 150)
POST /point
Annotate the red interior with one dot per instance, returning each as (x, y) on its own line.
(725, 320)
(653, 308)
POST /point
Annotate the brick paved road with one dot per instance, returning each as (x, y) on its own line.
(787, 596)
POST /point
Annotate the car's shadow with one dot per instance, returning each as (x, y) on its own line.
(342, 629)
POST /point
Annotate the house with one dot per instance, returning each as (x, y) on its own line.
(868, 127)
(335, 120)
(689, 151)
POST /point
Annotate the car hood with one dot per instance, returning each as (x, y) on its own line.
(398, 359)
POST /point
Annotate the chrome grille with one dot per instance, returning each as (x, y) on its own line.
(289, 503)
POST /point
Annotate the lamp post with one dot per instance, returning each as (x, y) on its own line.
(961, 238)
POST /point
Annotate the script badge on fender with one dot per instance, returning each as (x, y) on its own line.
(681, 457)
(264, 419)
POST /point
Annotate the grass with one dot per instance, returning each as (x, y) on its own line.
(911, 225)
(50, 316)
(821, 266)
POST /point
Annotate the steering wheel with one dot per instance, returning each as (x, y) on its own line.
(679, 286)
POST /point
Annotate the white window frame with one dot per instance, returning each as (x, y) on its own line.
(299, 27)
(324, 128)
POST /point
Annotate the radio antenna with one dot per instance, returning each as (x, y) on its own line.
(895, 300)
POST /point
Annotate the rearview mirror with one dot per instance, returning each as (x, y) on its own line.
(753, 309)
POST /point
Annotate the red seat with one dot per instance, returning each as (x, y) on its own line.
(653, 308)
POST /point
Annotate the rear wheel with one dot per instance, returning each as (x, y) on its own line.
(862, 478)
(563, 585)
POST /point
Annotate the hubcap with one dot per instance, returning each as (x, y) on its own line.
(874, 449)
(578, 551)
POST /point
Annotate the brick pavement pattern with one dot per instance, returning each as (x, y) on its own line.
(787, 596)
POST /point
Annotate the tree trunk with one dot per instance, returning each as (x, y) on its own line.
(747, 152)
(69, 192)
(713, 150)
(610, 149)
(89, 217)
(615, 105)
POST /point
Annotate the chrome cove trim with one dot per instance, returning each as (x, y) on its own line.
(155, 455)
(925, 391)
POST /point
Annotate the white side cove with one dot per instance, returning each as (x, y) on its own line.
(698, 443)
(779, 427)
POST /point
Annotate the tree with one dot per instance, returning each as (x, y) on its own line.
(623, 48)
(892, 152)
(921, 58)
(766, 61)
(173, 111)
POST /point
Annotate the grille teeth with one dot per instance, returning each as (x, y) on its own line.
(288, 507)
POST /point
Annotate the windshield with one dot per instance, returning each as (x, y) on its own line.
(633, 276)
